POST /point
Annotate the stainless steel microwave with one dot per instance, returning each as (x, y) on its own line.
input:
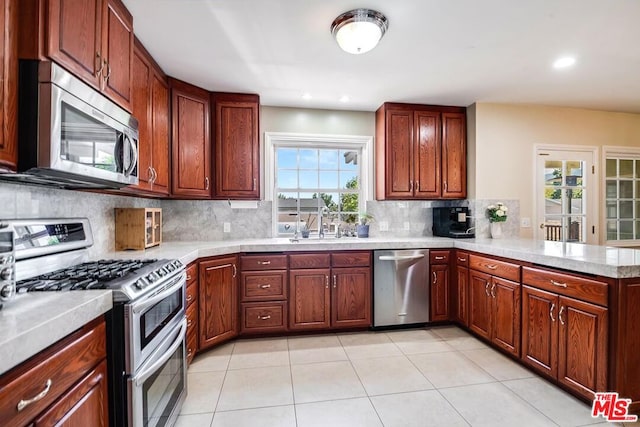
(69, 134)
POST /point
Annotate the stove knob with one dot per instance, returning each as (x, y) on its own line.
(150, 277)
(5, 274)
(7, 292)
(140, 284)
(170, 267)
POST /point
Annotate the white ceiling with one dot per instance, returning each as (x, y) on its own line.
(449, 52)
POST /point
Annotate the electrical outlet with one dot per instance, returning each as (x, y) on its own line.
(384, 226)
(226, 227)
(525, 222)
(407, 226)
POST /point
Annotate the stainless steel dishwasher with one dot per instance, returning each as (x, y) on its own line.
(400, 287)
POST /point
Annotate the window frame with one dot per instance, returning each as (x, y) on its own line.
(618, 153)
(274, 140)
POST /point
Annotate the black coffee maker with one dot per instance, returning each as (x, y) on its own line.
(452, 222)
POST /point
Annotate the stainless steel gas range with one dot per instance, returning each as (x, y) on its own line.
(146, 329)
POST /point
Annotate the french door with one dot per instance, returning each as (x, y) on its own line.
(566, 194)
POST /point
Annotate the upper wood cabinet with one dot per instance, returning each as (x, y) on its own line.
(93, 39)
(237, 145)
(218, 300)
(8, 84)
(191, 141)
(150, 105)
(420, 152)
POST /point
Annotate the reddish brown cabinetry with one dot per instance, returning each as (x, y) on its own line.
(74, 373)
(150, 104)
(93, 39)
(330, 290)
(420, 152)
(217, 301)
(565, 337)
(191, 142)
(192, 310)
(8, 84)
(439, 276)
(494, 301)
(460, 290)
(236, 142)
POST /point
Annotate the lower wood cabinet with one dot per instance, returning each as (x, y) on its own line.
(70, 379)
(192, 311)
(439, 276)
(563, 337)
(460, 289)
(217, 300)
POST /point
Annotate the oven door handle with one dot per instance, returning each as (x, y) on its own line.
(146, 372)
(175, 285)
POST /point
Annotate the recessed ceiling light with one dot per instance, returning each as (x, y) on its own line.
(564, 62)
(306, 96)
(344, 98)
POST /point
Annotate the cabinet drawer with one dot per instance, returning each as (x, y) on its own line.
(56, 368)
(316, 260)
(439, 257)
(260, 317)
(192, 272)
(351, 259)
(462, 258)
(567, 284)
(192, 345)
(192, 292)
(192, 318)
(502, 269)
(263, 262)
(264, 286)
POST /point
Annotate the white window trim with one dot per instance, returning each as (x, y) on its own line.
(283, 139)
(613, 151)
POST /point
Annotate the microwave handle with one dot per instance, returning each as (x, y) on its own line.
(133, 152)
(119, 153)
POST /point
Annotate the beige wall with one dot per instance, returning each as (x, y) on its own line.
(306, 120)
(505, 136)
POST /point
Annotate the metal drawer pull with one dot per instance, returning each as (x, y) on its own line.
(235, 270)
(439, 258)
(264, 317)
(189, 353)
(189, 297)
(265, 286)
(189, 322)
(435, 278)
(335, 281)
(486, 289)
(553, 305)
(560, 315)
(462, 259)
(24, 403)
(493, 288)
(264, 262)
(491, 266)
(327, 282)
(561, 285)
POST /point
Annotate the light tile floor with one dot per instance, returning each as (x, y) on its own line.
(422, 377)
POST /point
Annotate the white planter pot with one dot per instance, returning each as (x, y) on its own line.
(496, 230)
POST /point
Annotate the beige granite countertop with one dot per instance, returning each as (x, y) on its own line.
(591, 259)
(34, 321)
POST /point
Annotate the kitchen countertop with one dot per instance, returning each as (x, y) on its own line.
(34, 321)
(591, 259)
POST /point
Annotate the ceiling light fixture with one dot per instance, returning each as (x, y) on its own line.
(359, 30)
(564, 62)
(344, 98)
(306, 96)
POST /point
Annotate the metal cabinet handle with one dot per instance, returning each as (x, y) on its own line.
(24, 403)
(189, 297)
(235, 270)
(439, 258)
(417, 185)
(188, 277)
(560, 315)
(206, 182)
(189, 353)
(266, 286)
(150, 171)
(462, 259)
(189, 323)
(327, 281)
(558, 284)
(486, 289)
(264, 262)
(155, 175)
(493, 288)
(445, 186)
(335, 281)
(553, 305)
(254, 183)
(491, 266)
(410, 185)
(106, 78)
(99, 64)
(435, 278)
(264, 317)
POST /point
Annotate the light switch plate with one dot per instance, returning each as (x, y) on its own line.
(525, 222)
(384, 226)
(226, 227)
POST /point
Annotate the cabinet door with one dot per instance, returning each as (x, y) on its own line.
(479, 303)
(309, 299)
(160, 133)
(8, 84)
(237, 162)
(85, 404)
(74, 37)
(117, 49)
(454, 156)
(141, 108)
(427, 149)
(462, 289)
(351, 297)
(582, 359)
(505, 296)
(218, 301)
(399, 154)
(439, 276)
(191, 155)
(540, 330)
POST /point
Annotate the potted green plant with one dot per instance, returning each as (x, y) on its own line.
(363, 228)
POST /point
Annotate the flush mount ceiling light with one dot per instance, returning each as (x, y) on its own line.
(564, 62)
(359, 30)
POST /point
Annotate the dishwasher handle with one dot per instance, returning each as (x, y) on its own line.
(399, 257)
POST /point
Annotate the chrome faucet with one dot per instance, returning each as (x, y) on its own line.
(338, 234)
